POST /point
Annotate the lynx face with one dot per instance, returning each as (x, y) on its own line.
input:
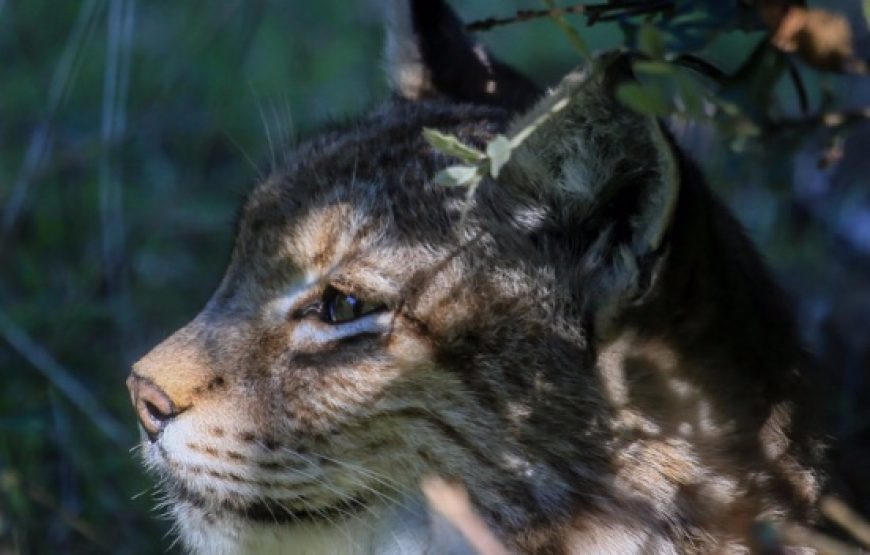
(550, 351)
(350, 349)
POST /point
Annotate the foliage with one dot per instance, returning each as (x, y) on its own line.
(478, 164)
(740, 106)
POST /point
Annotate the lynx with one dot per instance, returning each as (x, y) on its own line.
(588, 345)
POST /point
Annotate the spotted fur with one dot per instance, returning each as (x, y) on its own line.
(597, 354)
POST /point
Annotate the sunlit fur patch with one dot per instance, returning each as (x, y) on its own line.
(324, 235)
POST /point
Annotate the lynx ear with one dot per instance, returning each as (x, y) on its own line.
(608, 175)
(429, 53)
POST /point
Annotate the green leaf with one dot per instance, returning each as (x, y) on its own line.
(753, 86)
(694, 17)
(691, 95)
(499, 152)
(653, 68)
(645, 100)
(867, 11)
(457, 176)
(573, 36)
(526, 131)
(651, 41)
(728, 108)
(450, 144)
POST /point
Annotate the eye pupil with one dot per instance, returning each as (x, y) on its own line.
(343, 308)
(338, 307)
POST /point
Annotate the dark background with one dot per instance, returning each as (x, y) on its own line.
(129, 133)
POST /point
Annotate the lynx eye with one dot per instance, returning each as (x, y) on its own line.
(339, 307)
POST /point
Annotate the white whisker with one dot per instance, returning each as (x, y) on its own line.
(391, 484)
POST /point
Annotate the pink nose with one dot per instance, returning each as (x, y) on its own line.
(154, 408)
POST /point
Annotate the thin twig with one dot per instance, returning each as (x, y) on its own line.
(451, 502)
(840, 513)
(702, 66)
(593, 12)
(64, 380)
(829, 120)
(795, 535)
(800, 89)
(522, 15)
(602, 16)
(570, 32)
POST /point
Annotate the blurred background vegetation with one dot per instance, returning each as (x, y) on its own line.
(130, 131)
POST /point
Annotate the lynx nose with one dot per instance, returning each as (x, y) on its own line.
(154, 408)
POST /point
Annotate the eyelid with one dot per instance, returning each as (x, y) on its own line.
(369, 284)
(367, 295)
(298, 297)
(309, 332)
(305, 311)
(314, 300)
(341, 287)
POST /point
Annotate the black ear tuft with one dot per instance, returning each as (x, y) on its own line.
(429, 53)
(617, 69)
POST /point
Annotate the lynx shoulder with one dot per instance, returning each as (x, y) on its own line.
(589, 346)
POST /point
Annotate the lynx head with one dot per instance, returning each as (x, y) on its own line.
(375, 327)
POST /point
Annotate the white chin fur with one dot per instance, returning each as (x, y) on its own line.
(382, 531)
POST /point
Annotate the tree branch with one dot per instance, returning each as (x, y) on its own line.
(594, 13)
(799, 536)
(828, 120)
(847, 519)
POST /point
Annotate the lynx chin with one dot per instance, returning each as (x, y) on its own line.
(597, 355)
